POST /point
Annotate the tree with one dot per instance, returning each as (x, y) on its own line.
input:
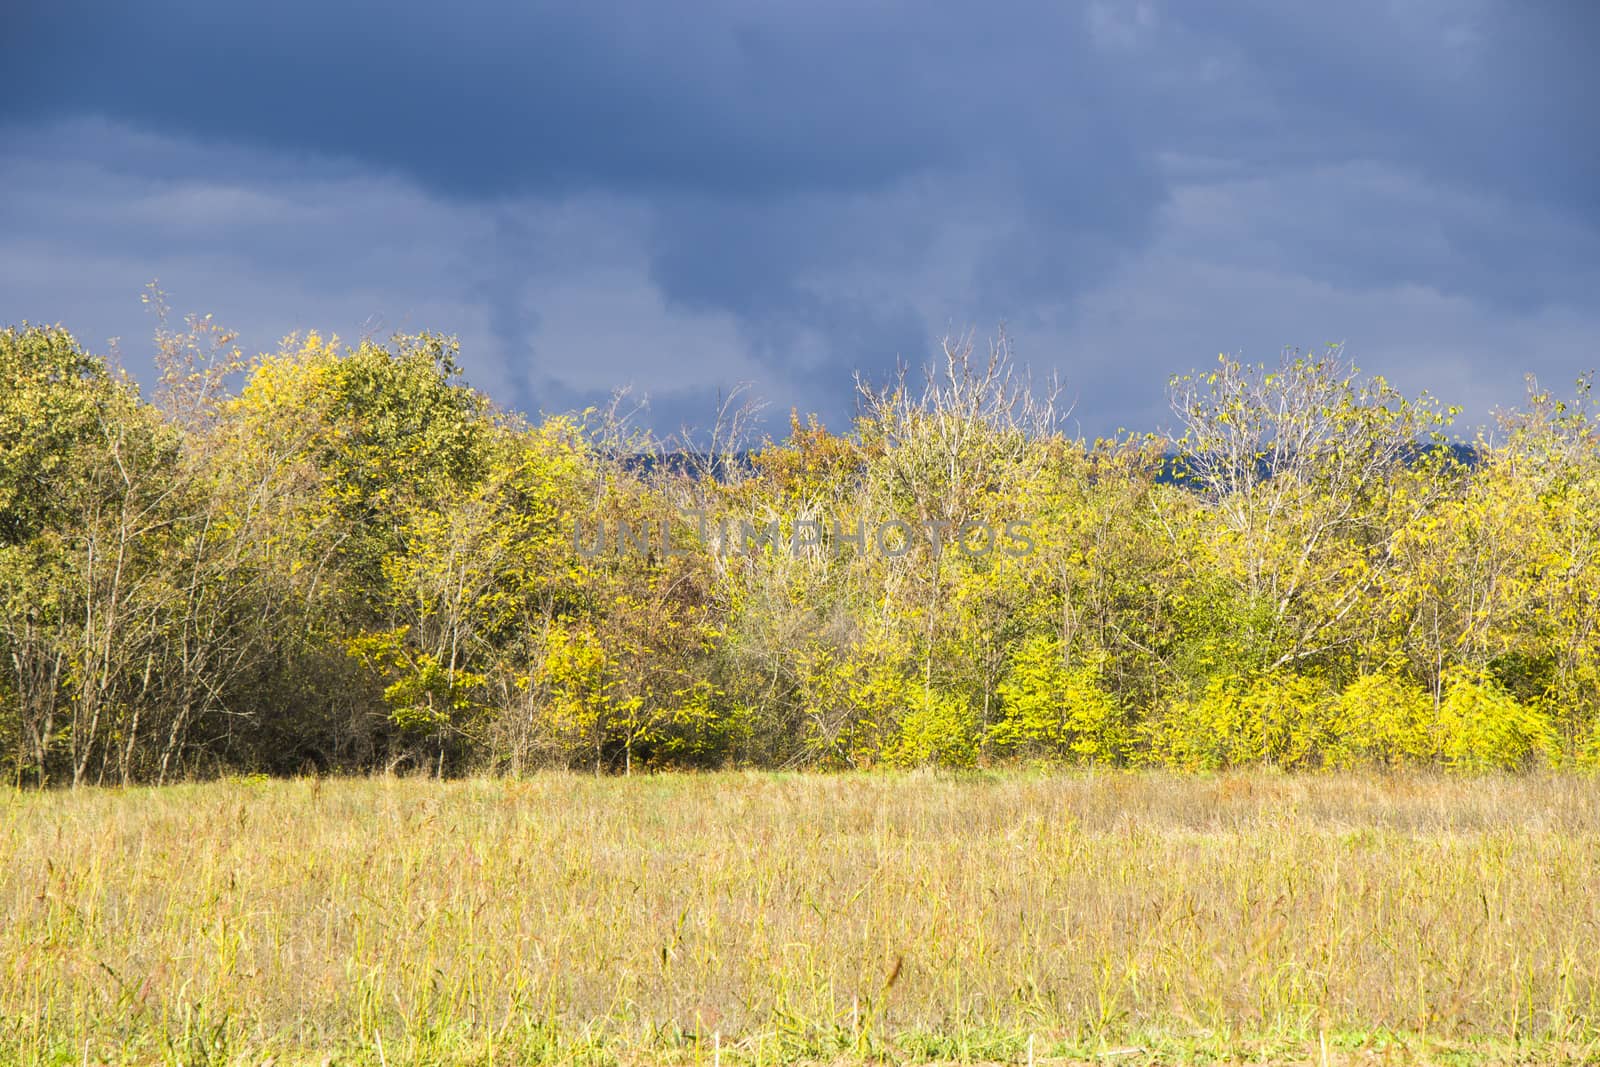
(1309, 470)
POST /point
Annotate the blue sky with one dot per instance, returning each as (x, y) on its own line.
(682, 197)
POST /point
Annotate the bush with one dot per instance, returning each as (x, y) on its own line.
(1275, 718)
(938, 728)
(1483, 727)
(1381, 719)
(1050, 708)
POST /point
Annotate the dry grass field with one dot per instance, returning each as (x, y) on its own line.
(1118, 918)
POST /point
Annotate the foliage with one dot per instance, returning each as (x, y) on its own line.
(1277, 719)
(1382, 719)
(1051, 708)
(344, 557)
(1482, 727)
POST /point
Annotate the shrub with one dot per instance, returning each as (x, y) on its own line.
(1049, 707)
(939, 728)
(1275, 718)
(1383, 719)
(1483, 727)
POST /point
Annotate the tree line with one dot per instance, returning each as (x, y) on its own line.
(343, 558)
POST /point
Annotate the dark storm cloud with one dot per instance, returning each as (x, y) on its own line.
(482, 99)
(749, 130)
(1484, 95)
(1471, 100)
(801, 191)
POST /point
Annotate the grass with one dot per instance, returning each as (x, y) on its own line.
(1117, 918)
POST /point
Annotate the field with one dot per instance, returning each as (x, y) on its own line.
(1117, 918)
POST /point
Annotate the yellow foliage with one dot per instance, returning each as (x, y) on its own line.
(1276, 718)
(1381, 718)
(1483, 727)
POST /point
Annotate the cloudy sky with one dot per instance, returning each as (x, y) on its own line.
(684, 196)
